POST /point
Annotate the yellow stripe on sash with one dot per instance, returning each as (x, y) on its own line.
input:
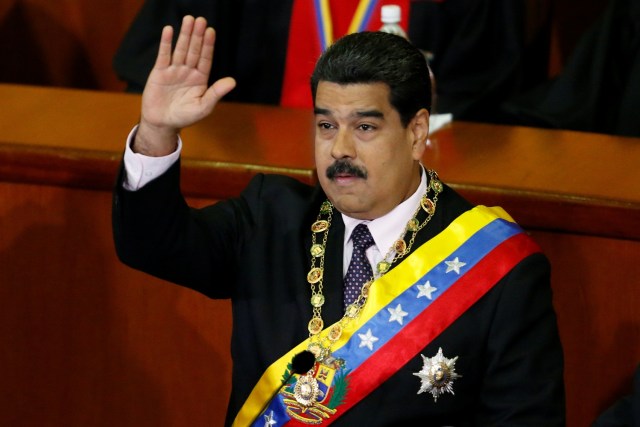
(382, 292)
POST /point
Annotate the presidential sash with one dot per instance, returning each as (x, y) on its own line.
(406, 309)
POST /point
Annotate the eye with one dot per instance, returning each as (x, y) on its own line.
(366, 127)
(325, 125)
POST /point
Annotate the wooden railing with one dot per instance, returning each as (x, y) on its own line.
(88, 341)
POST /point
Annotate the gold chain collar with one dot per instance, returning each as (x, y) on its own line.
(320, 344)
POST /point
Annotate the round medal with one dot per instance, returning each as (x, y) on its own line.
(317, 250)
(400, 246)
(428, 205)
(413, 225)
(319, 226)
(352, 311)
(383, 267)
(314, 276)
(315, 325)
(317, 300)
(335, 332)
(436, 186)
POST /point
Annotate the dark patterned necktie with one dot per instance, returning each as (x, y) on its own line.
(359, 271)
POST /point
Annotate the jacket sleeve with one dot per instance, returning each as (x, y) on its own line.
(155, 231)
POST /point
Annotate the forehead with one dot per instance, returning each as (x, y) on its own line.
(335, 98)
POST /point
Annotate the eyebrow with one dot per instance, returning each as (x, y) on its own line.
(365, 113)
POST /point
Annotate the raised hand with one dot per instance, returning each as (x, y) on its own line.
(177, 94)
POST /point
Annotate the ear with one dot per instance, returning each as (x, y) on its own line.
(419, 128)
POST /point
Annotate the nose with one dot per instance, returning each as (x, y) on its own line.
(343, 145)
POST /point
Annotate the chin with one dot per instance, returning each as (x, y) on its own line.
(350, 208)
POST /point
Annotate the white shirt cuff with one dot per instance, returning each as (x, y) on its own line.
(141, 169)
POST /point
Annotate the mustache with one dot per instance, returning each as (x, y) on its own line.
(343, 166)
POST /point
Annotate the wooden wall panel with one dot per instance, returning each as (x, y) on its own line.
(67, 43)
(86, 341)
(595, 285)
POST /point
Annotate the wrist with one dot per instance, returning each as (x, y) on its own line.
(154, 141)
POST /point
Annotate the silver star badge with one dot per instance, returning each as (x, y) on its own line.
(437, 375)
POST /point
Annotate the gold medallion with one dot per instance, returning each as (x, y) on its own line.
(383, 267)
(436, 186)
(400, 246)
(335, 332)
(317, 250)
(352, 311)
(319, 226)
(428, 205)
(315, 274)
(317, 300)
(315, 325)
(413, 224)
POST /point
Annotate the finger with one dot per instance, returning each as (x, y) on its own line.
(217, 90)
(206, 56)
(164, 51)
(182, 44)
(195, 44)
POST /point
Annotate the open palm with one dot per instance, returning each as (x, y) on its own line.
(177, 93)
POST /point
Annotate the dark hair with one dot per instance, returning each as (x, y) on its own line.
(376, 57)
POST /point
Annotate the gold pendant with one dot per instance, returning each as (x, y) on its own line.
(306, 390)
(317, 300)
(315, 325)
(319, 226)
(400, 246)
(317, 250)
(436, 185)
(383, 267)
(335, 333)
(413, 225)
(352, 311)
(315, 274)
(428, 205)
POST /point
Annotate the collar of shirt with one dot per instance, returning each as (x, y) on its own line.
(384, 230)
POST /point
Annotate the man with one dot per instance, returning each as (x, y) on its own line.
(457, 327)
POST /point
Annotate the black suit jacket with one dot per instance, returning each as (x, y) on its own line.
(255, 250)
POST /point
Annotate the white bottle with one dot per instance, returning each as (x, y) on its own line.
(390, 16)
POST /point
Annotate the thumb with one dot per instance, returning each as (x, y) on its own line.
(217, 90)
